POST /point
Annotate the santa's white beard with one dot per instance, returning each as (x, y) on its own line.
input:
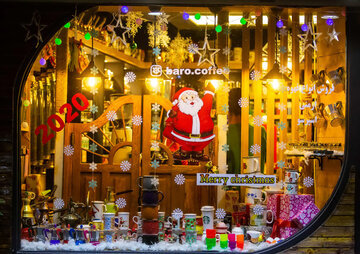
(189, 109)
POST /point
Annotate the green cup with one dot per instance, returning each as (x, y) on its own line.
(210, 243)
(223, 244)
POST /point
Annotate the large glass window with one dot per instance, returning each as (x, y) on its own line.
(182, 128)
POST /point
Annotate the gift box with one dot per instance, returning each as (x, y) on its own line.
(232, 202)
(273, 204)
(287, 232)
(291, 205)
(303, 218)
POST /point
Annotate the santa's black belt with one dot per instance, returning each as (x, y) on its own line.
(189, 135)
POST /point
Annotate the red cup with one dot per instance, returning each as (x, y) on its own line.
(150, 227)
(210, 233)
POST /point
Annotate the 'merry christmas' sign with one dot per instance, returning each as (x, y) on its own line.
(235, 179)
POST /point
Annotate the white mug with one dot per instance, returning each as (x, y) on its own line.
(254, 236)
(251, 164)
(98, 207)
(252, 193)
(291, 176)
(208, 217)
(123, 220)
(291, 188)
(137, 220)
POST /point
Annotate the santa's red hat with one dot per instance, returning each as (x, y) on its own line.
(179, 93)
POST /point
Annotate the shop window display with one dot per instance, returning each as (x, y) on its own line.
(182, 128)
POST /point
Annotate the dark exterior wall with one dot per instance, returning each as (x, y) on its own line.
(335, 236)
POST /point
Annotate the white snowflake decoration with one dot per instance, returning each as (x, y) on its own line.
(155, 181)
(220, 213)
(224, 167)
(226, 51)
(125, 166)
(258, 209)
(94, 52)
(155, 107)
(179, 179)
(225, 127)
(192, 48)
(258, 121)
(58, 203)
(243, 102)
(155, 145)
(282, 107)
(177, 213)
(282, 184)
(255, 75)
(92, 166)
(282, 145)
(120, 202)
(254, 149)
(69, 150)
(308, 181)
(137, 120)
(130, 77)
(94, 91)
(94, 70)
(111, 115)
(283, 69)
(93, 129)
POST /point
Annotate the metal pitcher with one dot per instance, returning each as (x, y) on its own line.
(337, 80)
(334, 114)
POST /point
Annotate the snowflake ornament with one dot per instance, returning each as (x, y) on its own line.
(94, 70)
(155, 107)
(224, 167)
(192, 48)
(243, 102)
(255, 75)
(281, 164)
(177, 214)
(93, 147)
(130, 77)
(155, 126)
(226, 51)
(155, 145)
(281, 125)
(93, 129)
(226, 70)
(92, 184)
(94, 91)
(111, 115)
(94, 109)
(69, 150)
(255, 149)
(282, 145)
(125, 166)
(120, 202)
(94, 52)
(283, 31)
(155, 164)
(283, 49)
(258, 209)
(179, 179)
(92, 166)
(137, 120)
(282, 107)
(156, 51)
(258, 121)
(225, 127)
(220, 213)
(308, 181)
(225, 108)
(282, 184)
(58, 203)
(155, 181)
(283, 69)
(225, 148)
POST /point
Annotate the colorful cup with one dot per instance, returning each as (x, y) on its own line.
(161, 235)
(210, 233)
(97, 223)
(254, 235)
(190, 236)
(150, 227)
(240, 241)
(231, 237)
(232, 245)
(151, 197)
(208, 217)
(161, 219)
(137, 220)
(149, 212)
(210, 243)
(111, 208)
(123, 220)
(291, 176)
(291, 188)
(190, 222)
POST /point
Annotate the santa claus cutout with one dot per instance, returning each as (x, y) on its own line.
(189, 123)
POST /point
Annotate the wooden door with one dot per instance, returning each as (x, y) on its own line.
(188, 197)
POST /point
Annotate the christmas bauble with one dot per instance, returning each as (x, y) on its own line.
(133, 45)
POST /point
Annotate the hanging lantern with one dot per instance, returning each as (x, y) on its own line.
(275, 78)
(92, 77)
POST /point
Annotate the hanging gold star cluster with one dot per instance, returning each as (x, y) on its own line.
(119, 23)
(34, 29)
(310, 34)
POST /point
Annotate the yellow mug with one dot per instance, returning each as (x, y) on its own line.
(99, 225)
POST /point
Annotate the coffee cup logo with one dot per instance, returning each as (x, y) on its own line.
(156, 70)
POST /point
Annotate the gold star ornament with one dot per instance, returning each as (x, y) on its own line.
(206, 53)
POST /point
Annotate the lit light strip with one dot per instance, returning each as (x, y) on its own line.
(233, 20)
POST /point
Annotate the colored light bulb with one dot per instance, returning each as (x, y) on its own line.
(330, 22)
(124, 9)
(87, 36)
(218, 28)
(67, 25)
(243, 21)
(280, 24)
(58, 41)
(42, 61)
(186, 16)
(197, 16)
(304, 27)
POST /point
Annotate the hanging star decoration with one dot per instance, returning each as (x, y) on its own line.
(92, 184)
(205, 53)
(34, 29)
(333, 35)
(250, 21)
(310, 34)
(119, 23)
(163, 19)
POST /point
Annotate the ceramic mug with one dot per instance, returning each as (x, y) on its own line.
(98, 224)
(291, 188)
(137, 220)
(98, 208)
(123, 220)
(291, 176)
(336, 77)
(260, 219)
(150, 227)
(207, 217)
(251, 164)
(151, 197)
(145, 182)
(150, 239)
(109, 220)
(110, 207)
(190, 222)
(254, 236)
(190, 236)
(334, 114)
(161, 219)
(149, 212)
(252, 193)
